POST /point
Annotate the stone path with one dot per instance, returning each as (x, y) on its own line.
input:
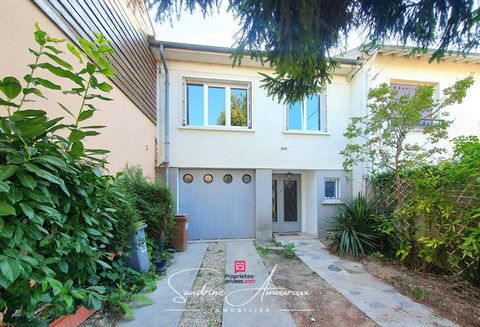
(244, 305)
(379, 301)
(165, 312)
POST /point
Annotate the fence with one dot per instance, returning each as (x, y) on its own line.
(462, 202)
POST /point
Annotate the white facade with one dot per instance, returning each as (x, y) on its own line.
(269, 149)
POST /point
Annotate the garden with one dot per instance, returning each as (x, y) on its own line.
(66, 225)
(418, 224)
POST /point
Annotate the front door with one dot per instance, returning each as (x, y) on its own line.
(286, 203)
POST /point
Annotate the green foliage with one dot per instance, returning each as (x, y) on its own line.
(58, 219)
(446, 204)
(298, 38)
(381, 137)
(420, 293)
(288, 251)
(263, 251)
(353, 230)
(154, 202)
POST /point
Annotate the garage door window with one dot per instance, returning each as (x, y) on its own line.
(246, 178)
(227, 178)
(208, 178)
(187, 178)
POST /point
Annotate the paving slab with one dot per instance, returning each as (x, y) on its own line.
(244, 304)
(381, 302)
(168, 306)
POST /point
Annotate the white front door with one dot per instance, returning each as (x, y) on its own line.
(285, 203)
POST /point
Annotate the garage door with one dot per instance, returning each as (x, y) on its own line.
(220, 203)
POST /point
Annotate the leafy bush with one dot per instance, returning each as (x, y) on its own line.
(56, 225)
(353, 229)
(154, 202)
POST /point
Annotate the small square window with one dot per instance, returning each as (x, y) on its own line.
(332, 188)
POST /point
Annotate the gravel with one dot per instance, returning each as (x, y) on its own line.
(205, 305)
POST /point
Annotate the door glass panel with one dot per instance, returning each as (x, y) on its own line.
(290, 200)
(274, 201)
(216, 105)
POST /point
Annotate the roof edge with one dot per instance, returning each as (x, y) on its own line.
(225, 50)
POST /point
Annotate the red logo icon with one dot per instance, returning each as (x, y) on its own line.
(240, 266)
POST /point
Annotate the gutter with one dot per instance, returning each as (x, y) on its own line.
(167, 115)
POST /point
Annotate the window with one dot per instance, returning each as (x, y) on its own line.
(217, 103)
(308, 115)
(409, 90)
(208, 178)
(332, 188)
(187, 178)
(246, 178)
(227, 178)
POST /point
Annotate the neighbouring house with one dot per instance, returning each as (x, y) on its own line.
(244, 166)
(130, 118)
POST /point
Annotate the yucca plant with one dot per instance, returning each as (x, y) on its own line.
(352, 230)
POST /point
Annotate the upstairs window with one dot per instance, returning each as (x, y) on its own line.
(308, 115)
(409, 90)
(215, 103)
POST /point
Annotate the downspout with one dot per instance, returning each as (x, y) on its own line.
(167, 116)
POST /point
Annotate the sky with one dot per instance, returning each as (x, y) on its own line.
(217, 29)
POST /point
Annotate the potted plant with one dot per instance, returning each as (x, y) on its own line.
(161, 261)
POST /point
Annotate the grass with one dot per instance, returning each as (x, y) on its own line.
(420, 293)
(287, 251)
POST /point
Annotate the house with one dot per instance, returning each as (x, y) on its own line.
(130, 119)
(244, 166)
(239, 163)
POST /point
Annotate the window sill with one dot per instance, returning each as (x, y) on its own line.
(332, 201)
(306, 133)
(217, 129)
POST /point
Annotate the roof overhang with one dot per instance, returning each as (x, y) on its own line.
(223, 56)
(407, 52)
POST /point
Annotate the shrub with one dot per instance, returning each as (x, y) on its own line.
(56, 224)
(353, 230)
(154, 202)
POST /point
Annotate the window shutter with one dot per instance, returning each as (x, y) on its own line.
(404, 89)
(184, 102)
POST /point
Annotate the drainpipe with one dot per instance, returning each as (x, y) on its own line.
(167, 116)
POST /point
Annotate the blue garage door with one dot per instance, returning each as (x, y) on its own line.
(220, 203)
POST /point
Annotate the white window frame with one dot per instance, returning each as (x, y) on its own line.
(337, 189)
(323, 117)
(228, 85)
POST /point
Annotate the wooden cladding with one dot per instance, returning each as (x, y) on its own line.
(126, 24)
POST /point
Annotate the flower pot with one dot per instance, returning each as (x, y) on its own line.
(74, 320)
(160, 266)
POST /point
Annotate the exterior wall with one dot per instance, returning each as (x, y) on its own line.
(466, 116)
(309, 203)
(129, 135)
(263, 204)
(127, 25)
(327, 211)
(261, 146)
